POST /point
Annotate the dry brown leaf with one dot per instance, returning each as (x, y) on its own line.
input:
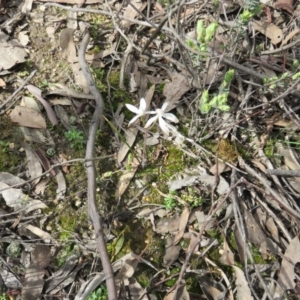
(243, 290)
(287, 274)
(227, 256)
(67, 44)
(37, 135)
(34, 282)
(131, 12)
(44, 160)
(219, 168)
(286, 5)
(202, 218)
(253, 230)
(38, 94)
(171, 254)
(27, 6)
(61, 101)
(272, 31)
(62, 277)
(27, 117)
(79, 77)
(291, 163)
(127, 270)
(11, 179)
(2, 83)
(136, 290)
(63, 117)
(290, 36)
(14, 52)
(182, 225)
(212, 72)
(190, 176)
(126, 177)
(167, 225)
(63, 159)
(16, 199)
(62, 185)
(31, 103)
(264, 220)
(41, 186)
(23, 38)
(259, 165)
(211, 288)
(33, 164)
(130, 136)
(157, 6)
(182, 294)
(174, 90)
(33, 232)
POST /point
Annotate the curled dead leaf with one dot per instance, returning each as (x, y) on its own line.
(272, 31)
(286, 5)
(27, 117)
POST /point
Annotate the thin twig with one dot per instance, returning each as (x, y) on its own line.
(286, 47)
(91, 171)
(285, 173)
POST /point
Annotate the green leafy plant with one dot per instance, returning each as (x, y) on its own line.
(295, 65)
(4, 146)
(3, 296)
(169, 201)
(43, 84)
(115, 247)
(204, 36)
(251, 8)
(282, 81)
(218, 101)
(76, 138)
(99, 294)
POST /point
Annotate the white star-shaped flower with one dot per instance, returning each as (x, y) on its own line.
(161, 115)
(141, 111)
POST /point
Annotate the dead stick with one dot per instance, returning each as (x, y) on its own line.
(91, 171)
(286, 173)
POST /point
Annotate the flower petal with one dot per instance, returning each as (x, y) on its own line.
(143, 105)
(163, 126)
(165, 106)
(151, 121)
(170, 117)
(133, 109)
(133, 120)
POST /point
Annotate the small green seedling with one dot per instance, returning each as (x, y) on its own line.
(217, 101)
(204, 36)
(169, 202)
(282, 81)
(115, 247)
(4, 146)
(76, 138)
(251, 9)
(3, 296)
(99, 294)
